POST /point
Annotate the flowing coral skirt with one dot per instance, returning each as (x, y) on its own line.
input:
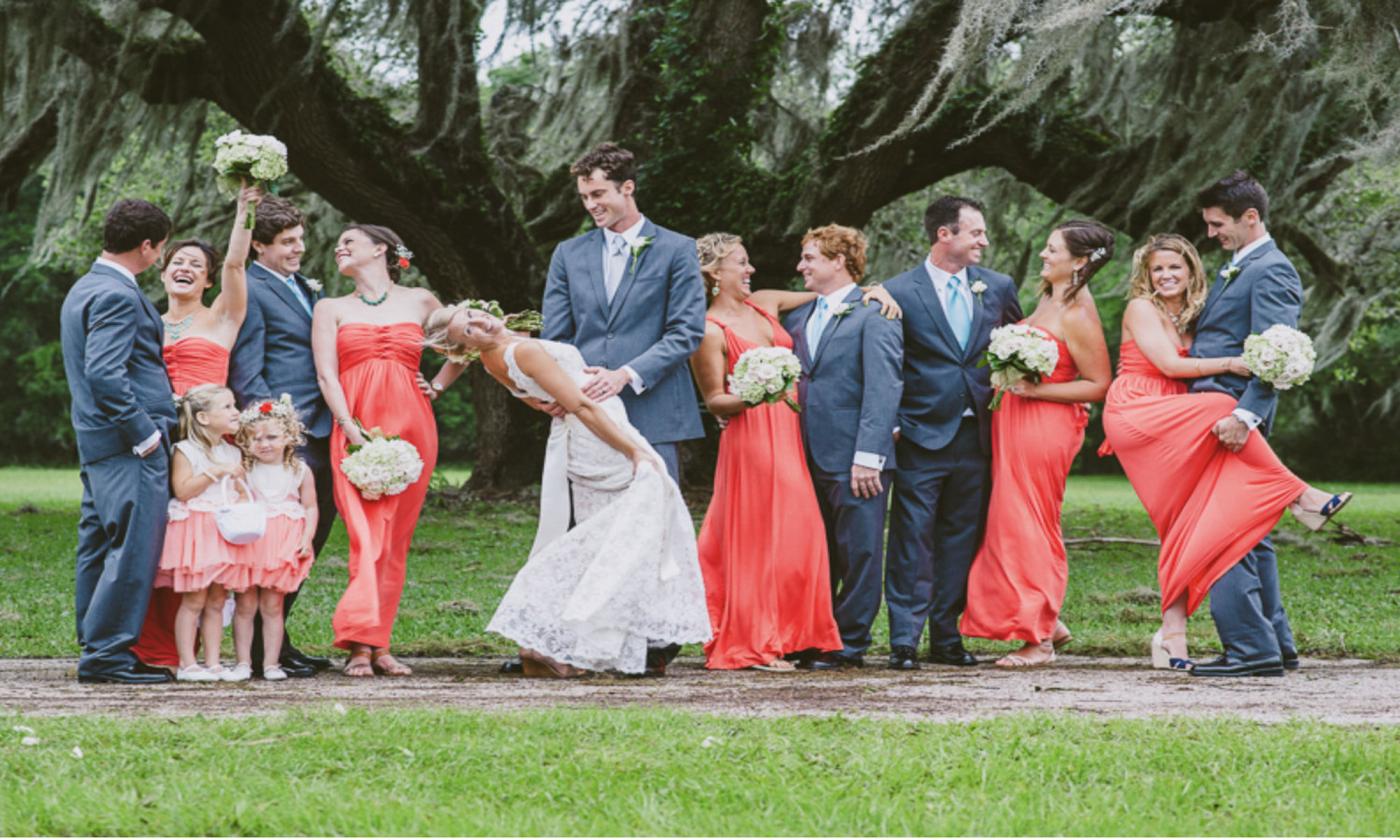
(272, 561)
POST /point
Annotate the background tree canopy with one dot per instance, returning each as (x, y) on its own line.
(754, 116)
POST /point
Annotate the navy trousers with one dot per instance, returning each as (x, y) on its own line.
(121, 532)
(1247, 607)
(855, 542)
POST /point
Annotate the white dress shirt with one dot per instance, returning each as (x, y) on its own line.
(290, 283)
(941, 279)
(617, 256)
(141, 447)
(834, 301)
(1248, 417)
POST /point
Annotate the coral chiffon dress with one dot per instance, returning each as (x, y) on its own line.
(273, 561)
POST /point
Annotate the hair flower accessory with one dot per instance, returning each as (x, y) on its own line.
(265, 408)
(404, 256)
(280, 409)
(1098, 254)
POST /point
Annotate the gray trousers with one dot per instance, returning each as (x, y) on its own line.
(936, 516)
(855, 542)
(121, 532)
(1247, 607)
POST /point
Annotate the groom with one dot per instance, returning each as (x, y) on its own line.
(124, 418)
(271, 357)
(1257, 289)
(943, 478)
(849, 391)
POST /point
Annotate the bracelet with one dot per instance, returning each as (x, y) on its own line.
(437, 386)
(345, 421)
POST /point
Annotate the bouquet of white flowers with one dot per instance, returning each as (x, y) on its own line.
(253, 158)
(766, 375)
(1280, 356)
(1018, 353)
(384, 466)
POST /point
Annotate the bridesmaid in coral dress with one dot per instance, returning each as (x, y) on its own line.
(367, 347)
(1017, 584)
(763, 550)
(1209, 506)
(197, 343)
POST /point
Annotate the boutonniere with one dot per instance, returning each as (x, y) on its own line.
(841, 310)
(978, 287)
(637, 247)
(1229, 272)
(313, 285)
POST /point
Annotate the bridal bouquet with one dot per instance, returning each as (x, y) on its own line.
(1280, 356)
(765, 375)
(385, 466)
(253, 158)
(1018, 353)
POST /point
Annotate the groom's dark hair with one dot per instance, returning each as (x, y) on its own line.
(1235, 193)
(616, 162)
(132, 221)
(275, 214)
(944, 212)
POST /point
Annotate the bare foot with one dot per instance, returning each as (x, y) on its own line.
(779, 664)
(1029, 656)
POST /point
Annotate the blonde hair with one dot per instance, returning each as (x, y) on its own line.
(197, 399)
(278, 412)
(1197, 287)
(711, 249)
(848, 242)
(435, 331)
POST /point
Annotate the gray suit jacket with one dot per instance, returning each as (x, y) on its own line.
(112, 338)
(941, 379)
(272, 355)
(850, 385)
(654, 323)
(1266, 291)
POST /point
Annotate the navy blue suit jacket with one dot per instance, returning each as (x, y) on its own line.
(272, 355)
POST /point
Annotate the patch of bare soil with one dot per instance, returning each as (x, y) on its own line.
(1347, 692)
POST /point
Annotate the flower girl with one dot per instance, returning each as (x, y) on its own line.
(200, 562)
(269, 434)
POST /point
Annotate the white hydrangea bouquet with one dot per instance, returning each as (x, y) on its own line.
(1280, 356)
(766, 375)
(384, 466)
(255, 158)
(1018, 353)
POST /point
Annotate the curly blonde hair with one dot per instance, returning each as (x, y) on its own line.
(711, 249)
(847, 242)
(291, 425)
(1197, 286)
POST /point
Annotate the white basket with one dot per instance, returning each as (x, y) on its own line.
(240, 522)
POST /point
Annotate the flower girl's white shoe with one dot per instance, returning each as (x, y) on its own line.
(196, 673)
(242, 672)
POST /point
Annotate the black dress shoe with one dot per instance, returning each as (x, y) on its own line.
(832, 662)
(137, 674)
(294, 668)
(903, 658)
(659, 658)
(1226, 667)
(953, 654)
(512, 666)
(297, 659)
(1291, 663)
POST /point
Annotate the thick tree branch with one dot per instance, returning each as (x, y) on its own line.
(27, 149)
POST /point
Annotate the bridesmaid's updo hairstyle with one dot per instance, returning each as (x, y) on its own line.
(380, 235)
(711, 249)
(197, 399)
(1197, 287)
(1083, 238)
(838, 240)
(211, 257)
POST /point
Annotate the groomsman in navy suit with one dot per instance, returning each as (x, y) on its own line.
(1256, 290)
(849, 391)
(943, 479)
(124, 418)
(629, 296)
(273, 357)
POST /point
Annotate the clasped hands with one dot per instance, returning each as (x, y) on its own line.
(1232, 432)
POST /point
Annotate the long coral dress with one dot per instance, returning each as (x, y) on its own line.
(1210, 506)
(378, 363)
(762, 546)
(1017, 583)
(189, 362)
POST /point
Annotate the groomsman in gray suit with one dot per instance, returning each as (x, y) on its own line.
(1257, 289)
(849, 391)
(943, 480)
(124, 417)
(271, 357)
(629, 296)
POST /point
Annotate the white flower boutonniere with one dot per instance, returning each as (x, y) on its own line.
(1229, 272)
(841, 310)
(642, 243)
(978, 288)
(313, 285)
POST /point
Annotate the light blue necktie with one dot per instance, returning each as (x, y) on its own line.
(818, 325)
(959, 314)
(296, 293)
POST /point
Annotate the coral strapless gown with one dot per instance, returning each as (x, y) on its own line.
(762, 546)
(189, 362)
(1017, 583)
(378, 363)
(1210, 506)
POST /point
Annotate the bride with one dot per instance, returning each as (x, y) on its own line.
(626, 576)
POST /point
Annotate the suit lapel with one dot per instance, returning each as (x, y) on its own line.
(630, 270)
(1219, 287)
(592, 252)
(280, 289)
(799, 333)
(978, 315)
(833, 325)
(923, 287)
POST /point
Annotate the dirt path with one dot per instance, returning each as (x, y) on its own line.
(1348, 692)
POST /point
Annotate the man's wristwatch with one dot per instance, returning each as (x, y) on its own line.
(437, 387)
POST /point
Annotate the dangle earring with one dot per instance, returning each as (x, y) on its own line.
(714, 290)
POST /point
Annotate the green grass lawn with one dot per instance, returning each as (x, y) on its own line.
(1342, 598)
(621, 772)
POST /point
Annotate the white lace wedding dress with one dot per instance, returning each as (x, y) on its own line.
(627, 574)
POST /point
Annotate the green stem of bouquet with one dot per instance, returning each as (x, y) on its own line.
(792, 404)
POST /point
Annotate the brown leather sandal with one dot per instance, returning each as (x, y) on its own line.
(385, 665)
(359, 665)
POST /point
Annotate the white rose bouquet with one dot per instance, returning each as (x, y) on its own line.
(1018, 353)
(766, 375)
(384, 466)
(1280, 356)
(255, 158)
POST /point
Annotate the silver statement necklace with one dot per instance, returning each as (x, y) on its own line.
(178, 329)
